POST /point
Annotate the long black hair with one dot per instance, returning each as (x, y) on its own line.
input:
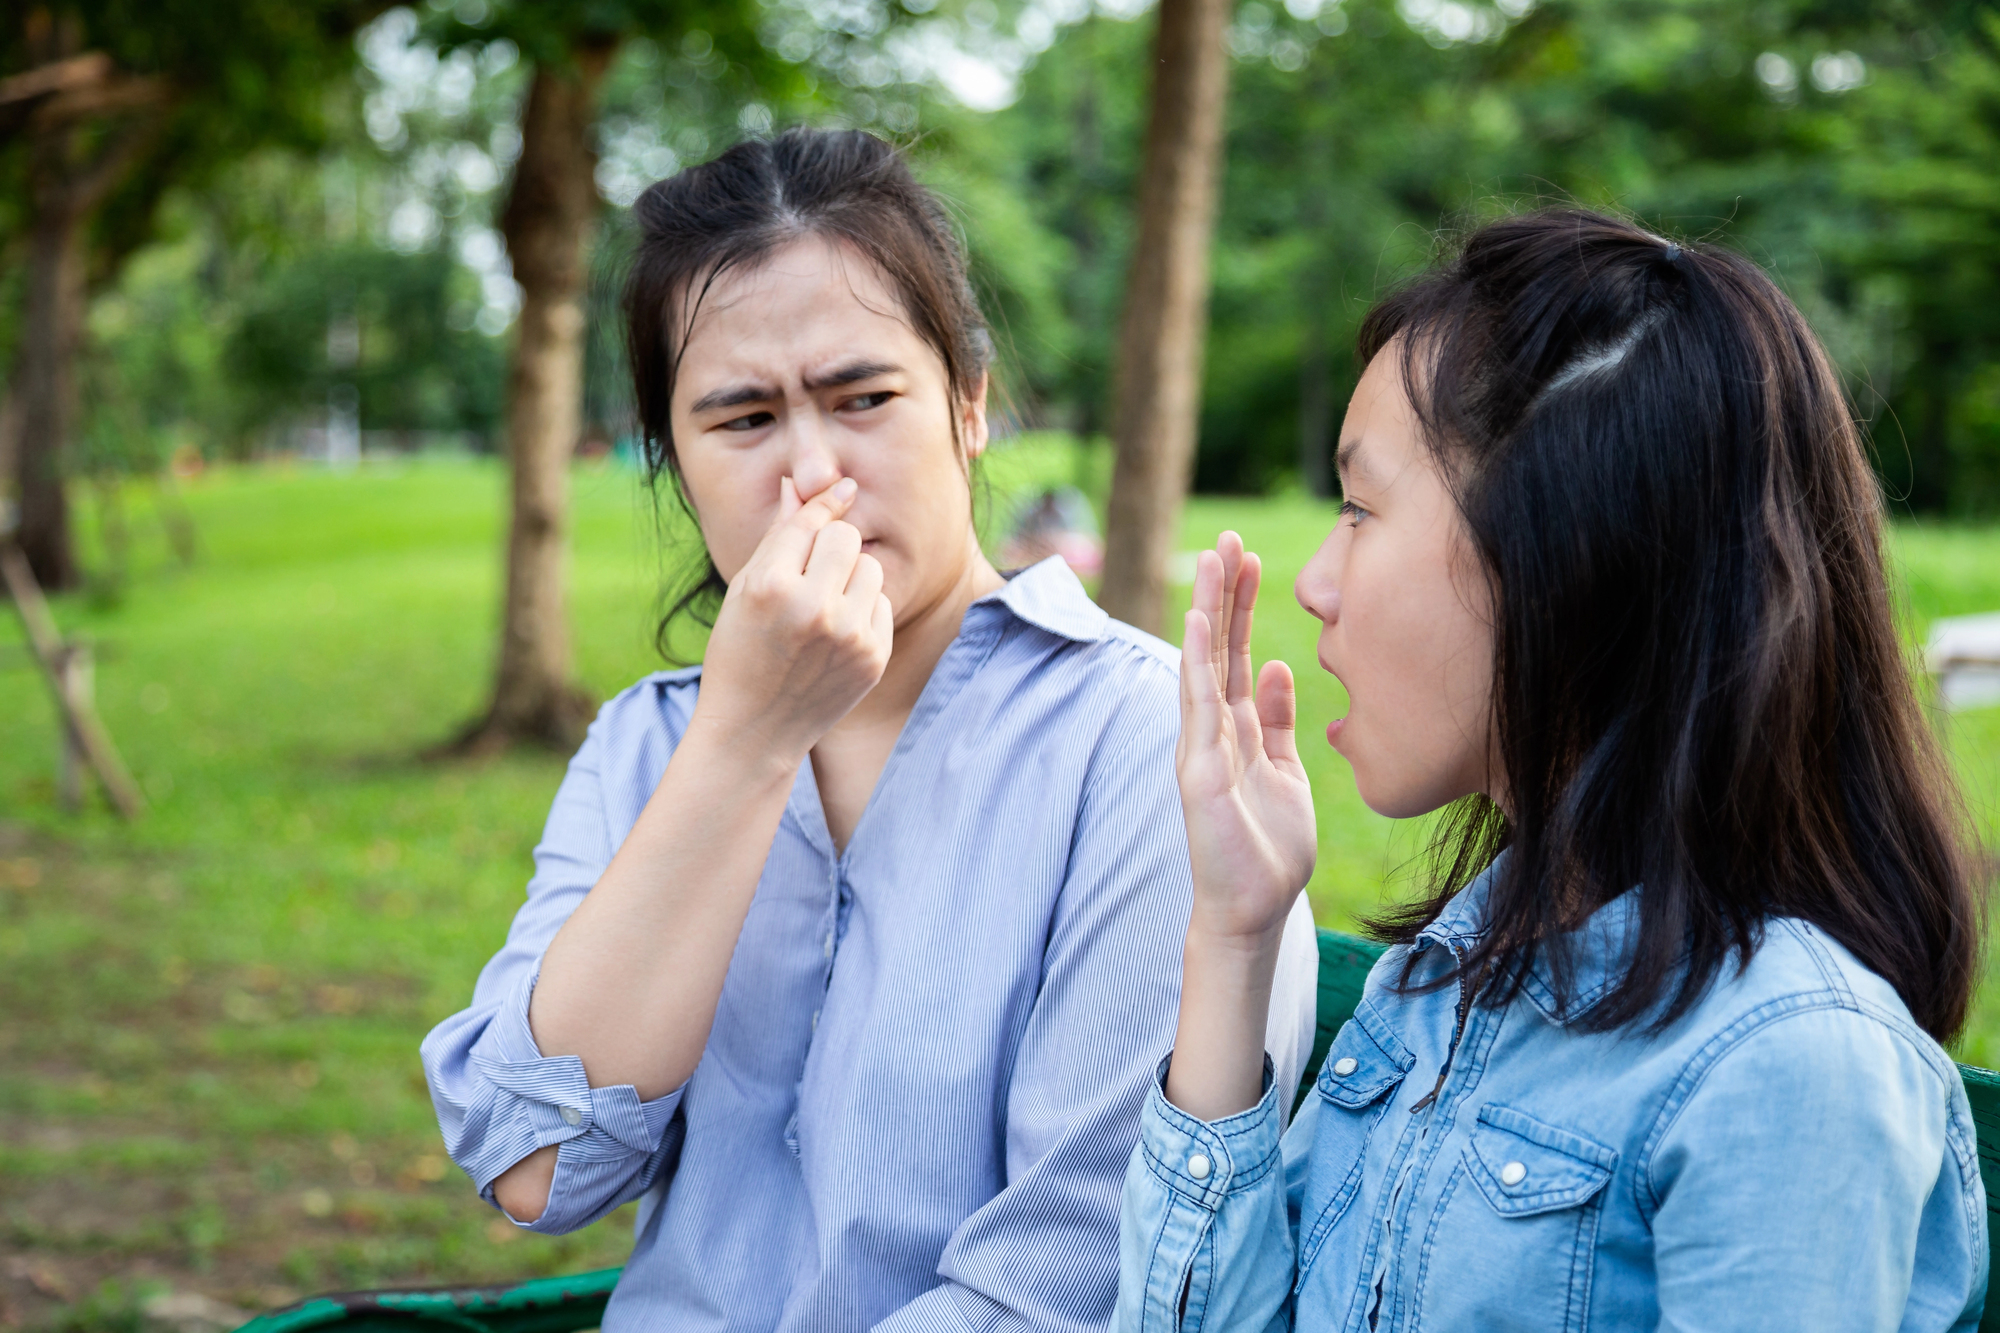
(733, 212)
(1698, 686)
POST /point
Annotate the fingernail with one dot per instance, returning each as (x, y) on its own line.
(845, 488)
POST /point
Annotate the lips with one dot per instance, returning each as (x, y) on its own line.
(1333, 730)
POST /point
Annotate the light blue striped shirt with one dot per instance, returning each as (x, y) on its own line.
(927, 1065)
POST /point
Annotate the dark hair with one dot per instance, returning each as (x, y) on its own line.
(1698, 688)
(845, 185)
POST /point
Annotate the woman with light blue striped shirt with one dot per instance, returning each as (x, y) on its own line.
(849, 952)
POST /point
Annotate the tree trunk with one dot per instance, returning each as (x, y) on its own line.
(1316, 424)
(547, 220)
(1158, 396)
(52, 334)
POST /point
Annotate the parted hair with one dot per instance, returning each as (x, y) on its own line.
(1699, 691)
(733, 212)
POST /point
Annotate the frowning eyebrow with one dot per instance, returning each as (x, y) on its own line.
(736, 395)
(851, 373)
(741, 395)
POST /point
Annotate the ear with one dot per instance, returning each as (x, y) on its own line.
(972, 420)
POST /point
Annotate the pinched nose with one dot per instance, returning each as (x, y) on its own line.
(814, 467)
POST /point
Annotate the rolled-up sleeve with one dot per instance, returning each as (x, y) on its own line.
(498, 1098)
(1205, 1238)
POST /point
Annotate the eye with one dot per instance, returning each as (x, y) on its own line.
(1349, 509)
(866, 401)
(752, 421)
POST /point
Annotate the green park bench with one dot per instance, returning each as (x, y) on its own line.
(567, 1304)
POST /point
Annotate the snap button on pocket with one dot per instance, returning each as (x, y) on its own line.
(1366, 1061)
(1524, 1166)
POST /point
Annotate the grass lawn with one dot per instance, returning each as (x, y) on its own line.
(209, 1020)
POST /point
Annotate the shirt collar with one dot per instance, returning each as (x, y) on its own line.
(1048, 596)
(1600, 950)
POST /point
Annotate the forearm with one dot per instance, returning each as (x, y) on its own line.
(630, 983)
(1218, 1062)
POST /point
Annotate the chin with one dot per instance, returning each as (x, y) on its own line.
(1394, 796)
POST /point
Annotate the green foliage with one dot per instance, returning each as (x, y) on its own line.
(1850, 148)
(361, 316)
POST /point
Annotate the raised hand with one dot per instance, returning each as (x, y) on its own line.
(1251, 836)
(804, 631)
(1244, 794)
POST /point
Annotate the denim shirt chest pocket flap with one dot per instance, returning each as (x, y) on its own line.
(1365, 1061)
(1524, 1166)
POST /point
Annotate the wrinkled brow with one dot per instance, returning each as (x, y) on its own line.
(741, 395)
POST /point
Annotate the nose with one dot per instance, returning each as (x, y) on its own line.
(813, 464)
(1318, 584)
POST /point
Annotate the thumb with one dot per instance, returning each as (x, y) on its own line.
(1278, 712)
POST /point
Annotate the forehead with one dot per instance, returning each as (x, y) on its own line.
(1379, 438)
(810, 300)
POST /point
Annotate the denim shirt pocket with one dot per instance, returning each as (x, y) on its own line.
(1356, 1085)
(1512, 1241)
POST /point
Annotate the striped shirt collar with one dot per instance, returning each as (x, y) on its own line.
(1049, 596)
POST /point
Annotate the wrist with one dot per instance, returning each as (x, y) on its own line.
(1231, 947)
(723, 748)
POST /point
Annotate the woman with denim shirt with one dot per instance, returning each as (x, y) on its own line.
(1660, 1048)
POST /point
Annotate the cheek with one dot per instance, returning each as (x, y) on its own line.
(735, 499)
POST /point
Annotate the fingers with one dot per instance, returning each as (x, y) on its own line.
(836, 548)
(788, 498)
(1278, 712)
(883, 623)
(790, 543)
(1243, 601)
(1229, 551)
(1201, 692)
(864, 584)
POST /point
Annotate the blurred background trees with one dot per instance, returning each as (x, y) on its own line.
(308, 246)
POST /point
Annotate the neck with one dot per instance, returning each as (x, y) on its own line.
(922, 635)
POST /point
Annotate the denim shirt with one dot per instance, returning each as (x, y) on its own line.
(1792, 1153)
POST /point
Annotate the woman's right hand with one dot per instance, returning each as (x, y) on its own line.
(804, 632)
(1244, 794)
(1251, 838)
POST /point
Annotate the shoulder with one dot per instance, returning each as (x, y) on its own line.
(651, 712)
(1811, 1039)
(1801, 977)
(1124, 670)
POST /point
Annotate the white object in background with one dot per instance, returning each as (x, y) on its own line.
(1964, 654)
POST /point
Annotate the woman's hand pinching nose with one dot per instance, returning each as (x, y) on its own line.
(805, 630)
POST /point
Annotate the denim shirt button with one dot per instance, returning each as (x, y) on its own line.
(1344, 1066)
(1198, 1166)
(1513, 1174)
